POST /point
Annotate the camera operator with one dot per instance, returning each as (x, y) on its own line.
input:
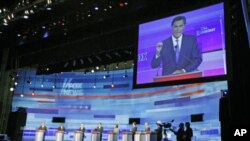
(159, 130)
(180, 132)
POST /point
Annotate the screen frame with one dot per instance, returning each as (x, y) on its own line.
(191, 80)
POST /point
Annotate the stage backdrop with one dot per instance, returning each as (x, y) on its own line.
(75, 98)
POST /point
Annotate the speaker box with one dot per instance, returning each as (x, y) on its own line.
(15, 122)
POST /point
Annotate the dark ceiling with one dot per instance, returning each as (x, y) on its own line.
(95, 32)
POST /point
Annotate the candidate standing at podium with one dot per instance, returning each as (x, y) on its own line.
(82, 129)
(179, 53)
(100, 129)
(61, 128)
(44, 128)
(147, 128)
(134, 129)
(116, 129)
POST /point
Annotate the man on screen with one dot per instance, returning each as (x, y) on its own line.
(179, 53)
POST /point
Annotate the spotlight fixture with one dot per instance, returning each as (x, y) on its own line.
(12, 89)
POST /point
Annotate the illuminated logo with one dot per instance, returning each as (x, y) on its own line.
(69, 88)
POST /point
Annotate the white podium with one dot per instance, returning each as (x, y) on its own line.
(78, 135)
(59, 135)
(39, 135)
(126, 136)
(139, 136)
(112, 136)
(150, 136)
(95, 136)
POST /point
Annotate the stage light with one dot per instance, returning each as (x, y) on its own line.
(107, 55)
(21, 95)
(46, 34)
(49, 8)
(96, 8)
(98, 58)
(92, 70)
(97, 68)
(26, 17)
(112, 85)
(82, 62)
(33, 93)
(11, 89)
(66, 64)
(74, 63)
(105, 76)
(121, 4)
(15, 83)
(125, 76)
(224, 92)
(90, 60)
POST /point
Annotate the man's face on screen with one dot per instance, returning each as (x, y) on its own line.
(178, 28)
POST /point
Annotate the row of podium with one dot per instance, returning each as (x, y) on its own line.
(95, 136)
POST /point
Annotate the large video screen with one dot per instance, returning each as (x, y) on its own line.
(246, 10)
(184, 46)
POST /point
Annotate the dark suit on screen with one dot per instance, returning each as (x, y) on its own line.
(189, 57)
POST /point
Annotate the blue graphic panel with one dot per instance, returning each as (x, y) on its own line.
(72, 95)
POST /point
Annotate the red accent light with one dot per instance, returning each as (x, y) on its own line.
(121, 4)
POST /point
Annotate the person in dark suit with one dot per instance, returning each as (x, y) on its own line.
(99, 129)
(147, 128)
(179, 53)
(188, 132)
(44, 128)
(82, 129)
(134, 129)
(179, 133)
(158, 131)
(61, 128)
